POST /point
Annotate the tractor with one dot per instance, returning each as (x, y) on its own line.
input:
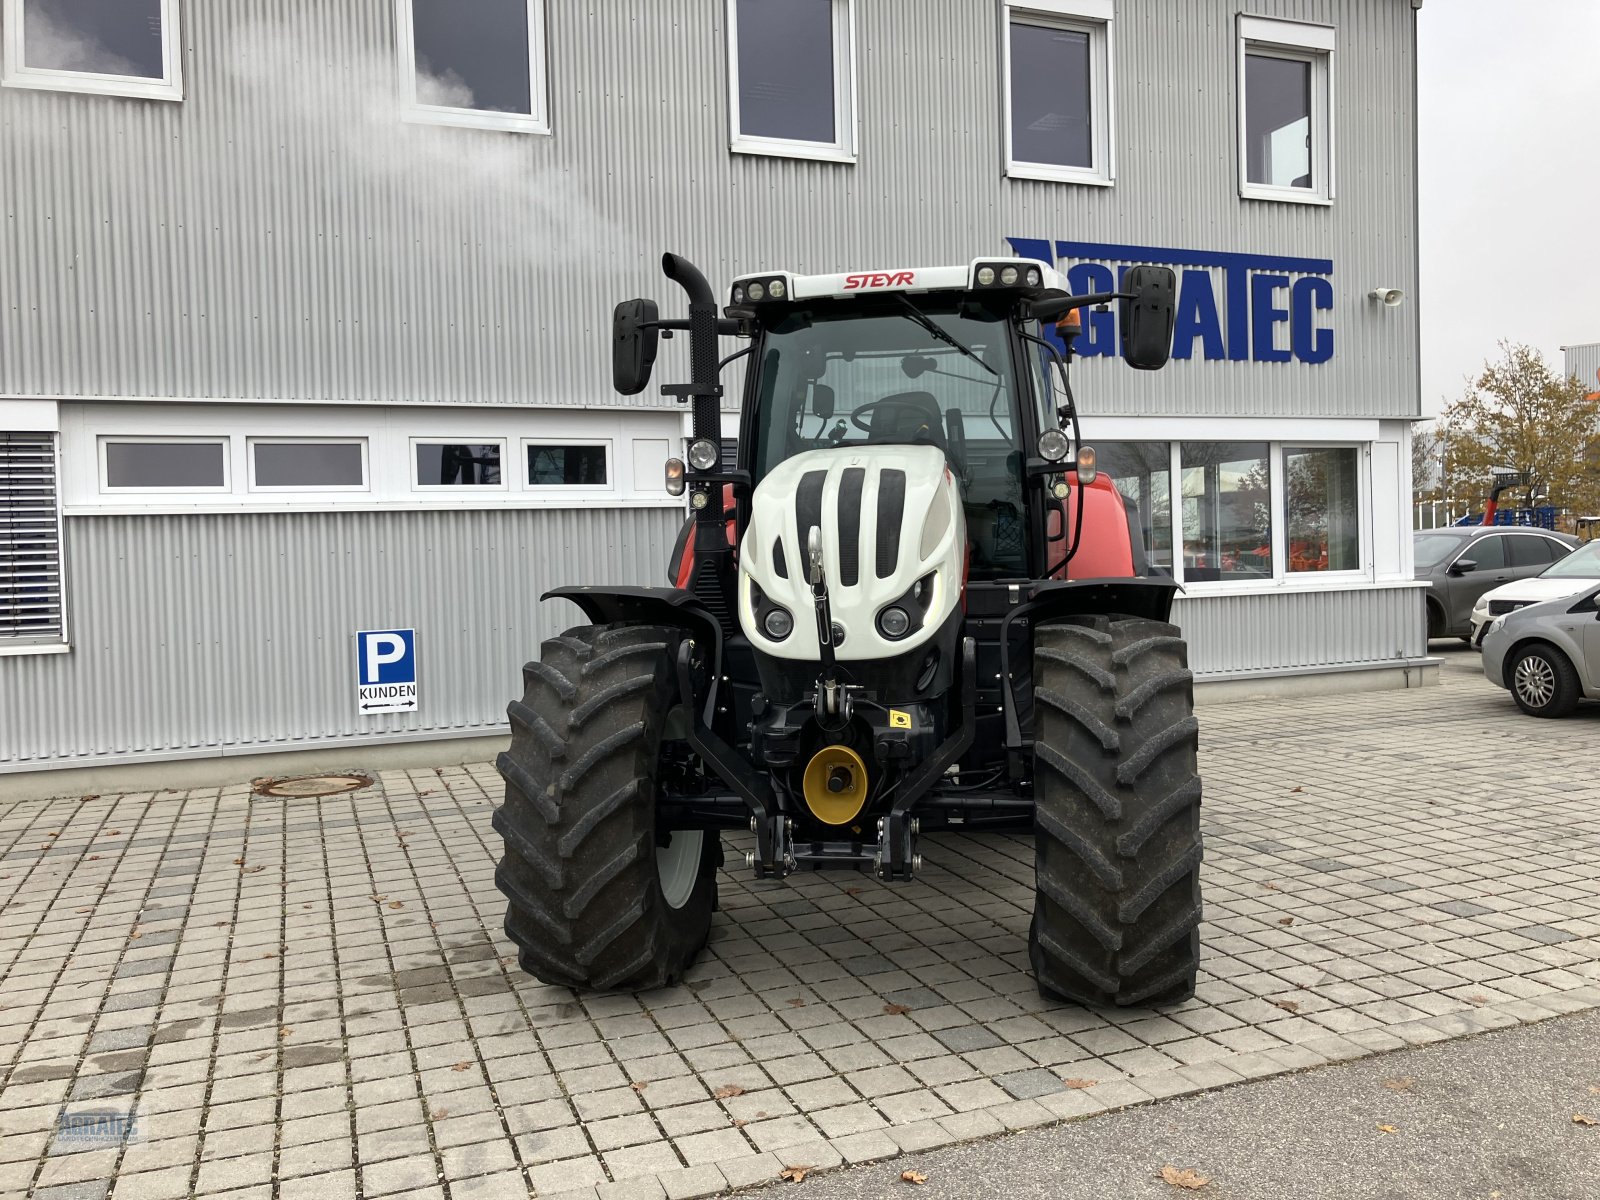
(911, 603)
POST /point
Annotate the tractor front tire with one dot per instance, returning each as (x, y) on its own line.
(1116, 918)
(597, 899)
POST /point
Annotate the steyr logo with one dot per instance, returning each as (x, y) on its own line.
(878, 279)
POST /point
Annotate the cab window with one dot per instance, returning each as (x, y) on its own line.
(831, 378)
(1489, 553)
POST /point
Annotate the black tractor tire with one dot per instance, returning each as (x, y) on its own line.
(1542, 680)
(1117, 843)
(590, 905)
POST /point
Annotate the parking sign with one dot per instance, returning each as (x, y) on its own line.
(386, 670)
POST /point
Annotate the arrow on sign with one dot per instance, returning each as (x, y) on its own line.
(402, 704)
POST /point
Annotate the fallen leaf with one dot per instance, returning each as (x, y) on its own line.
(238, 862)
(1292, 1006)
(269, 954)
(52, 833)
(1389, 1128)
(1080, 1083)
(135, 936)
(727, 1091)
(114, 832)
(440, 1114)
(396, 904)
(1403, 1083)
(795, 1174)
(796, 1002)
(1184, 1177)
(94, 858)
(83, 798)
(285, 1030)
(1272, 887)
(461, 1066)
(897, 1010)
(760, 1116)
(740, 1122)
(1594, 1091)
(1477, 998)
(1285, 920)
(1298, 789)
(253, 870)
(913, 1177)
(1583, 1119)
(378, 899)
(84, 910)
(852, 891)
(639, 1085)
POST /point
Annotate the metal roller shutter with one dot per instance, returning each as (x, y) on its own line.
(30, 540)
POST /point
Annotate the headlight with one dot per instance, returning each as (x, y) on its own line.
(779, 624)
(704, 454)
(1054, 445)
(757, 292)
(1495, 624)
(1008, 276)
(894, 622)
(777, 289)
(986, 275)
(674, 476)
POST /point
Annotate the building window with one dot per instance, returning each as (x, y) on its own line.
(1142, 472)
(108, 47)
(156, 464)
(1058, 90)
(1285, 110)
(314, 465)
(552, 465)
(791, 78)
(457, 464)
(1322, 504)
(1227, 511)
(31, 603)
(479, 63)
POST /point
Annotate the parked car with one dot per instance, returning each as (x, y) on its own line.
(1547, 655)
(1462, 562)
(1565, 577)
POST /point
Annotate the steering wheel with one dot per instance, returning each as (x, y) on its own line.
(889, 402)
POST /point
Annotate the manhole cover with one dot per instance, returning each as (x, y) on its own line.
(301, 787)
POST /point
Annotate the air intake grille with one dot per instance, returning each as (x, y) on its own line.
(30, 539)
(1499, 608)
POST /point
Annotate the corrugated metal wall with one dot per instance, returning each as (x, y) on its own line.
(281, 235)
(1292, 629)
(1584, 362)
(207, 632)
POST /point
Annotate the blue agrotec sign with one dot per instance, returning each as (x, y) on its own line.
(1263, 308)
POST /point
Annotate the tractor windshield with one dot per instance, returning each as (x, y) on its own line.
(835, 375)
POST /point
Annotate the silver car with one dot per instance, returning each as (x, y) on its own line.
(1547, 655)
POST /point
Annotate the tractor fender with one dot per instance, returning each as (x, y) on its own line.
(606, 604)
(1050, 601)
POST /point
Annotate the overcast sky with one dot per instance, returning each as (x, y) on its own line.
(1510, 182)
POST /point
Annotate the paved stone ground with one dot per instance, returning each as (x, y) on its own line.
(313, 997)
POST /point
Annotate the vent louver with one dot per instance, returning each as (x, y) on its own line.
(30, 539)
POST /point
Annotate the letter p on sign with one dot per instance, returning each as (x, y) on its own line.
(382, 649)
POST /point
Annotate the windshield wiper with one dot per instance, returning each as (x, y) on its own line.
(913, 313)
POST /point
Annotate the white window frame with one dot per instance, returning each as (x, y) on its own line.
(1280, 508)
(843, 148)
(104, 474)
(1095, 18)
(251, 443)
(1299, 42)
(15, 73)
(537, 121)
(557, 489)
(453, 440)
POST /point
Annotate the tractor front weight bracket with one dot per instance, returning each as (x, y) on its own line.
(773, 857)
(897, 831)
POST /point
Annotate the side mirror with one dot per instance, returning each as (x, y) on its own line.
(634, 339)
(1147, 316)
(1462, 565)
(821, 400)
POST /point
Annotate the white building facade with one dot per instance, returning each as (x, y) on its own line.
(305, 320)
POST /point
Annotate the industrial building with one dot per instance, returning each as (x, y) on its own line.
(305, 315)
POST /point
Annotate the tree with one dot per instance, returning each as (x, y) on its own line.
(1521, 415)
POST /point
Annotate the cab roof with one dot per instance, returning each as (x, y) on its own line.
(1023, 276)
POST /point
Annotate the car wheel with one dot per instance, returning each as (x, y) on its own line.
(1543, 682)
(1435, 621)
